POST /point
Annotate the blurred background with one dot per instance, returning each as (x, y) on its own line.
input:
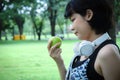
(26, 26)
(40, 19)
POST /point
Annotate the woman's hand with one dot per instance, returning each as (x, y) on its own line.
(54, 51)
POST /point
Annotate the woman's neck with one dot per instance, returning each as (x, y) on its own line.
(94, 37)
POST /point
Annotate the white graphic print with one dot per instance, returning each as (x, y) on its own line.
(79, 73)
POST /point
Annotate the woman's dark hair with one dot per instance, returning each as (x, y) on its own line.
(101, 21)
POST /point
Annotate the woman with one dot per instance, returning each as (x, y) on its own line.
(91, 20)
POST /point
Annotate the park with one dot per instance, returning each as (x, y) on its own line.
(26, 27)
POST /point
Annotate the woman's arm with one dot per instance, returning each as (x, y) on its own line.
(110, 62)
(55, 54)
(62, 69)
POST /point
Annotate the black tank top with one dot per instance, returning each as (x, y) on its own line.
(89, 70)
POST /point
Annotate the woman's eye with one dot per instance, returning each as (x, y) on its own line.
(72, 20)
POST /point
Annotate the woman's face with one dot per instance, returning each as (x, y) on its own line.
(81, 27)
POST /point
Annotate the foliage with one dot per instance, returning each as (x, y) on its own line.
(53, 10)
(50, 11)
(116, 9)
(12, 10)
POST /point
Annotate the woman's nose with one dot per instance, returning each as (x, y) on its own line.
(71, 28)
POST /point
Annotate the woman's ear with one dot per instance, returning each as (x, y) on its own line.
(89, 14)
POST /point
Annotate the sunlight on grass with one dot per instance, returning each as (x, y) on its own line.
(26, 61)
(29, 60)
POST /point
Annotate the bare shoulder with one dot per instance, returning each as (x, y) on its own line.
(110, 51)
(109, 61)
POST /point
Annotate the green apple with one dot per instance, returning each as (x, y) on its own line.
(55, 40)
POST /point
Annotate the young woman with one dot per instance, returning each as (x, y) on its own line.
(97, 57)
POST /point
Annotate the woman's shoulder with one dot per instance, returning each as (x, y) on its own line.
(109, 61)
(109, 50)
(109, 55)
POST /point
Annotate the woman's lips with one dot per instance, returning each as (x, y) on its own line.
(75, 33)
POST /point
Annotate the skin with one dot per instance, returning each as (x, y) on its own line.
(107, 63)
(55, 53)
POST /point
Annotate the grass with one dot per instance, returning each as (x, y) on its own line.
(29, 60)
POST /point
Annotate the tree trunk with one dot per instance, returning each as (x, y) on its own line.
(6, 38)
(112, 30)
(52, 17)
(40, 29)
(61, 29)
(20, 21)
(0, 35)
(39, 38)
(52, 23)
(34, 25)
(13, 32)
(21, 31)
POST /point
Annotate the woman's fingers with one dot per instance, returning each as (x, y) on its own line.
(49, 45)
(53, 48)
(55, 53)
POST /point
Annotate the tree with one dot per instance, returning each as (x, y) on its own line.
(2, 5)
(115, 5)
(112, 30)
(19, 12)
(60, 21)
(13, 10)
(117, 14)
(19, 21)
(38, 17)
(53, 9)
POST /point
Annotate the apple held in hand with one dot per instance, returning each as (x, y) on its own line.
(56, 40)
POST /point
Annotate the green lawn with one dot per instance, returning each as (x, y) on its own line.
(29, 60)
